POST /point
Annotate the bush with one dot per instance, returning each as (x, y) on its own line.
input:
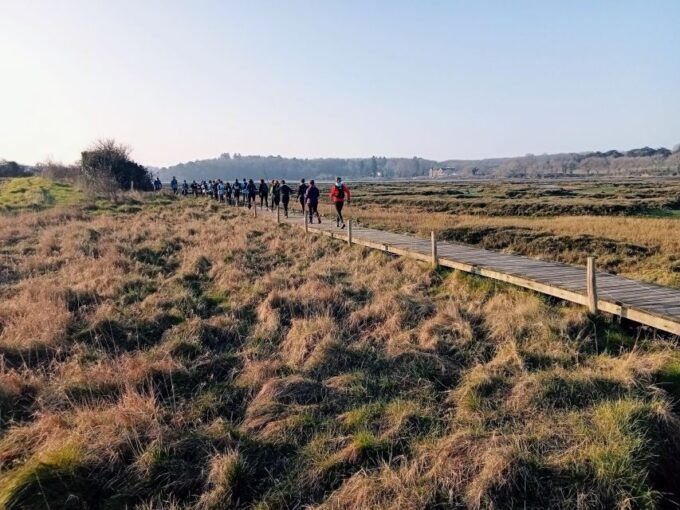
(107, 166)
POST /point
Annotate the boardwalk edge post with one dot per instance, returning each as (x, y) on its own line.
(433, 239)
(592, 286)
(349, 231)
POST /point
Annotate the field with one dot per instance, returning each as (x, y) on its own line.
(34, 193)
(177, 353)
(632, 227)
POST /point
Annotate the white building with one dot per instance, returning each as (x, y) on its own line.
(442, 171)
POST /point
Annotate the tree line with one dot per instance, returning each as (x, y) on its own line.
(14, 169)
(642, 161)
(107, 165)
(269, 167)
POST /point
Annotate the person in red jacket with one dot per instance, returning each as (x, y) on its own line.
(339, 193)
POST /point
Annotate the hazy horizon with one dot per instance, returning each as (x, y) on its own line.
(436, 80)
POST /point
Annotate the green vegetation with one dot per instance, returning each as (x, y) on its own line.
(664, 213)
(35, 193)
(54, 476)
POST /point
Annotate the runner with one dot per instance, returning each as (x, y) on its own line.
(220, 191)
(302, 190)
(339, 193)
(312, 199)
(276, 194)
(237, 193)
(285, 196)
(194, 188)
(174, 185)
(185, 188)
(271, 191)
(252, 193)
(227, 192)
(263, 191)
(244, 191)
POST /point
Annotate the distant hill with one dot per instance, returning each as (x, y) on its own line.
(645, 161)
(270, 167)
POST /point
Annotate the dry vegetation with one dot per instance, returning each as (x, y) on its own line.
(633, 228)
(160, 353)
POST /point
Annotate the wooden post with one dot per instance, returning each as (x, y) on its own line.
(278, 215)
(591, 285)
(433, 239)
(349, 231)
(306, 227)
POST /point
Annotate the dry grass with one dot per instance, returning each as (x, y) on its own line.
(159, 353)
(624, 231)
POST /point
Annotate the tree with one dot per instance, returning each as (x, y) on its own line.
(12, 169)
(58, 171)
(107, 165)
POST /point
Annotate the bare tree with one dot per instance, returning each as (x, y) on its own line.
(58, 171)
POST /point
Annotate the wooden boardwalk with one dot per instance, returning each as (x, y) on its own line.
(645, 303)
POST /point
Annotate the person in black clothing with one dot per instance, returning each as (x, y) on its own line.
(263, 190)
(302, 190)
(227, 192)
(252, 193)
(285, 196)
(194, 188)
(312, 198)
(237, 193)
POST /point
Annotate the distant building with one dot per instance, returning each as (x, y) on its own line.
(442, 171)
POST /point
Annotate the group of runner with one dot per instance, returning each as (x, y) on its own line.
(272, 195)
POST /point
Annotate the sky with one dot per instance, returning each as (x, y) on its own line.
(180, 81)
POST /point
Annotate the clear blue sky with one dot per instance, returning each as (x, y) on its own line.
(459, 79)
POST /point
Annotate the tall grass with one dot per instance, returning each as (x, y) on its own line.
(181, 355)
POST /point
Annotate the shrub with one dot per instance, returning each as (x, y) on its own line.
(107, 165)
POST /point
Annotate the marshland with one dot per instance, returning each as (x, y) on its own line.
(166, 352)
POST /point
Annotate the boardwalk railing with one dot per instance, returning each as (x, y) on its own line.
(645, 303)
